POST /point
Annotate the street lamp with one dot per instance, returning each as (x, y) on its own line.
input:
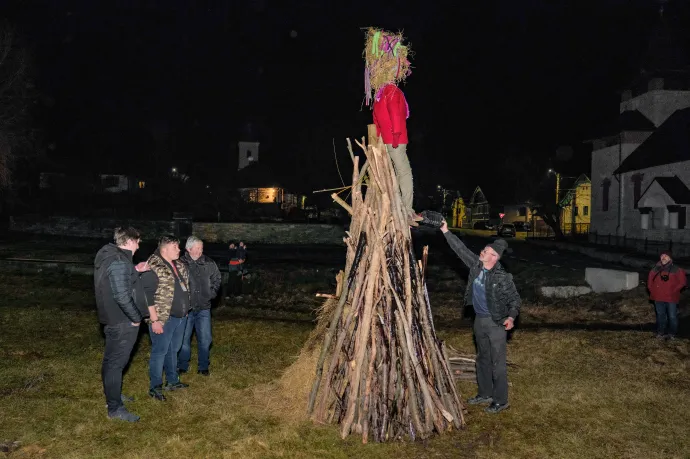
(444, 193)
(558, 183)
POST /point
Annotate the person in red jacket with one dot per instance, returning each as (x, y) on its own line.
(665, 281)
(386, 66)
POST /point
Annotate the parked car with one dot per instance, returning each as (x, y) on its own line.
(507, 229)
(522, 226)
(483, 226)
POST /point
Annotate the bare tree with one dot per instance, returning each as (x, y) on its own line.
(550, 212)
(16, 97)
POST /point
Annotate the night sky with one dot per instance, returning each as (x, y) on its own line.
(148, 85)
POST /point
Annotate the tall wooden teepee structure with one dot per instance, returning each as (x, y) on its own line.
(382, 372)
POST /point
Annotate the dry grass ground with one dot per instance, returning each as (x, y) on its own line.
(607, 391)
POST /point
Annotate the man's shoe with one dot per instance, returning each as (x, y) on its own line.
(123, 415)
(180, 371)
(126, 398)
(157, 393)
(479, 400)
(496, 408)
(176, 386)
(203, 372)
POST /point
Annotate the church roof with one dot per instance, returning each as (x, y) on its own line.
(670, 143)
(675, 188)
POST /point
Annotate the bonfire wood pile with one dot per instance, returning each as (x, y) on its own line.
(382, 372)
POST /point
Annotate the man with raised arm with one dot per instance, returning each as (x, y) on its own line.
(492, 293)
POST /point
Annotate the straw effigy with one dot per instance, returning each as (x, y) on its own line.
(381, 370)
(387, 61)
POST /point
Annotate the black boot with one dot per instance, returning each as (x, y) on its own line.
(157, 393)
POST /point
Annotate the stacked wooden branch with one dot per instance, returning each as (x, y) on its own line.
(382, 372)
(462, 367)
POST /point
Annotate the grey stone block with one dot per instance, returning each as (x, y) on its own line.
(567, 291)
(611, 280)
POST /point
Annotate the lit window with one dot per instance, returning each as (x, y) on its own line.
(142, 185)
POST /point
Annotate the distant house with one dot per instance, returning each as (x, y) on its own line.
(483, 212)
(103, 183)
(273, 195)
(519, 213)
(576, 206)
(460, 215)
(480, 209)
(111, 183)
(258, 183)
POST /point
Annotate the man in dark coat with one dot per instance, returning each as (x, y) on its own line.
(114, 277)
(492, 293)
(204, 280)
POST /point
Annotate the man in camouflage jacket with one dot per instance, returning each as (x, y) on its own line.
(168, 316)
(492, 293)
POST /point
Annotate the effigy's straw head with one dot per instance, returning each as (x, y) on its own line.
(386, 60)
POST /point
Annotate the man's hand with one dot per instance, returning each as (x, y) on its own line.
(135, 324)
(142, 267)
(509, 323)
(157, 328)
(444, 227)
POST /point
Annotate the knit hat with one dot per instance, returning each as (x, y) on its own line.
(499, 245)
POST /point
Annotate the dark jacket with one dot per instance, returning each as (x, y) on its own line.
(666, 282)
(204, 280)
(145, 288)
(114, 277)
(502, 298)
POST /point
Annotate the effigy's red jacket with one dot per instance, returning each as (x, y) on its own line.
(390, 115)
(669, 290)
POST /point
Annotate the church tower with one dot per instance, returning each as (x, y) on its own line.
(249, 154)
(663, 84)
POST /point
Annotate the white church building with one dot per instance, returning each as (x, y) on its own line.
(641, 174)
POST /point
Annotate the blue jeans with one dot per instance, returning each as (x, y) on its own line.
(164, 349)
(666, 314)
(200, 321)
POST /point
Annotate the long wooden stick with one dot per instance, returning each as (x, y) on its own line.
(339, 200)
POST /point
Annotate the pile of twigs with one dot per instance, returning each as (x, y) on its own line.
(382, 372)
